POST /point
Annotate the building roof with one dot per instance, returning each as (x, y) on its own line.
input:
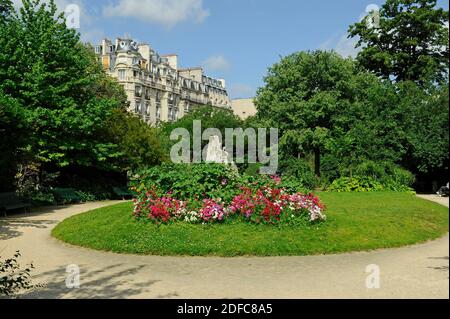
(191, 69)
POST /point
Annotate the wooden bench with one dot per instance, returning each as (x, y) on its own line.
(122, 193)
(10, 201)
(65, 196)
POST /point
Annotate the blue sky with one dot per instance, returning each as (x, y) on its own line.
(232, 39)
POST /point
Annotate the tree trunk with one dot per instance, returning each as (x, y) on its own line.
(317, 161)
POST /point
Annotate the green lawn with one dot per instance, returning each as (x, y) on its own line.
(356, 221)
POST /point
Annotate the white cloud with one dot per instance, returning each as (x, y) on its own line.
(344, 45)
(341, 44)
(217, 63)
(167, 13)
(239, 90)
(347, 46)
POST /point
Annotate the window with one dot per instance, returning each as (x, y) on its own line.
(122, 75)
(137, 108)
(98, 49)
(138, 91)
(111, 49)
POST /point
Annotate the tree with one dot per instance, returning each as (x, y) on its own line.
(6, 8)
(325, 105)
(301, 96)
(370, 128)
(138, 142)
(410, 42)
(210, 117)
(426, 127)
(64, 95)
(12, 133)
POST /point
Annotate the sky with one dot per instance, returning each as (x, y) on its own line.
(236, 40)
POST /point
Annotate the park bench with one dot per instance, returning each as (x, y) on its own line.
(122, 193)
(65, 196)
(10, 201)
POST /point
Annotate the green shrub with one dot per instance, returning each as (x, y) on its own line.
(329, 169)
(300, 172)
(294, 185)
(198, 181)
(355, 184)
(86, 197)
(373, 176)
(385, 172)
(186, 181)
(34, 184)
(253, 169)
(366, 184)
(91, 185)
(13, 278)
(402, 176)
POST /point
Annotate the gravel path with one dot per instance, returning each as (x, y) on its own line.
(413, 272)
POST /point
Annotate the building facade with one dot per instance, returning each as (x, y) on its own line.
(244, 108)
(156, 88)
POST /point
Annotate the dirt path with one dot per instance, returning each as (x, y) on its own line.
(413, 272)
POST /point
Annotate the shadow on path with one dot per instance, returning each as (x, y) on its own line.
(111, 282)
(441, 268)
(9, 227)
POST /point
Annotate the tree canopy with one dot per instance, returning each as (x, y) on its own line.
(318, 99)
(409, 41)
(57, 100)
(328, 106)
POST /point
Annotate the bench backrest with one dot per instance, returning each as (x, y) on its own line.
(9, 198)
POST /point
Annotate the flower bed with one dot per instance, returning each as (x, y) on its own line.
(263, 206)
(214, 193)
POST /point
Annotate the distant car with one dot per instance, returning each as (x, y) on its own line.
(444, 191)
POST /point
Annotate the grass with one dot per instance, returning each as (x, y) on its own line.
(356, 222)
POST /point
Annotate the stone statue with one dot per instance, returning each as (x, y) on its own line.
(215, 152)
